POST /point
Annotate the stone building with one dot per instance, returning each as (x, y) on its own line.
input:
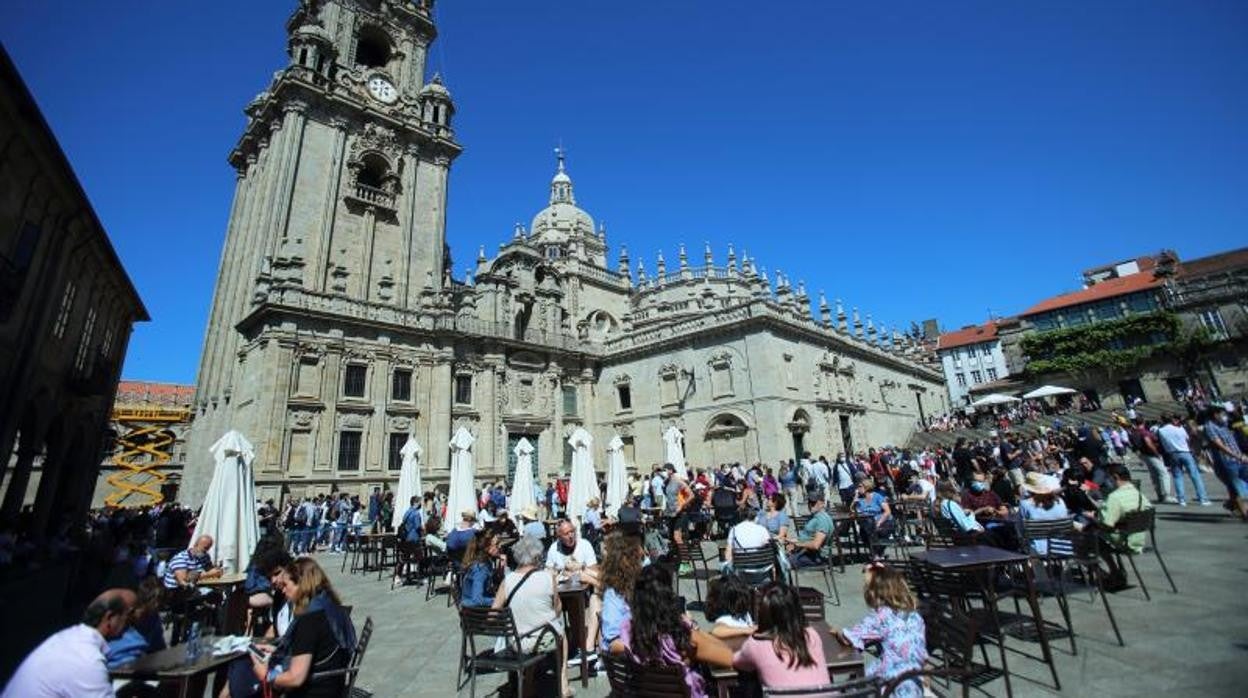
(971, 357)
(336, 328)
(66, 311)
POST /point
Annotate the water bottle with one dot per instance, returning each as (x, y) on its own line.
(192, 644)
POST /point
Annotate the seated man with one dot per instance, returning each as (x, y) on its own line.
(981, 501)
(807, 550)
(1122, 501)
(190, 565)
(72, 662)
(574, 555)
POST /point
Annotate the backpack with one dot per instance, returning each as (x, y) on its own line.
(301, 516)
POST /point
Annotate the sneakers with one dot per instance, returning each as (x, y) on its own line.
(1182, 503)
(1206, 503)
(575, 660)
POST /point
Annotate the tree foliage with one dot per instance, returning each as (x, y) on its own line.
(1115, 346)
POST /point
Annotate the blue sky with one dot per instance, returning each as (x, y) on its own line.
(916, 159)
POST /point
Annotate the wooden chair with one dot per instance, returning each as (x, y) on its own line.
(1139, 521)
(491, 624)
(352, 670)
(632, 680)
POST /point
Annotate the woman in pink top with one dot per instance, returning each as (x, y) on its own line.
(786, 652)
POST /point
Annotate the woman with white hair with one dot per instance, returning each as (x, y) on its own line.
(531, 592)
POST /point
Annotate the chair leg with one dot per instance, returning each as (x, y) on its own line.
(1113, 622)
(1165, 570)
(835, 591)
(1138, 578)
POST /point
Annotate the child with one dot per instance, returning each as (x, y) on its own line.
(728, 603)
(894, 623)
(786, 652)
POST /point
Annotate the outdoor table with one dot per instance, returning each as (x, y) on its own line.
(233, 612)
(169, 665)
(575, 600)
(985, 559)
(369, 551)
(841, 659)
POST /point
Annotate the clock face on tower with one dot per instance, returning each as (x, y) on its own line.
(382, 90)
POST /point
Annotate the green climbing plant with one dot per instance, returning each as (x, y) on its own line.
(1115, 346)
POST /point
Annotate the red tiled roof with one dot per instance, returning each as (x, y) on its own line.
(135, 393)
(967, 335)
(1109, 288)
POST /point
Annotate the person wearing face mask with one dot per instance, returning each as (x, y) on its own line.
(1229, 461)
(982, 502)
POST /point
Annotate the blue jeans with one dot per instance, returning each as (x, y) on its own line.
(1179, 462)
(1233, 474)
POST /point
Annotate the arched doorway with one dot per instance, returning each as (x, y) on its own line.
(799, 427)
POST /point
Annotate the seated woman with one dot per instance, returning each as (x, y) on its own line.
(479, 580)
(785, 651)
(622, 560)
(729, 606)
(874, 506)
(660, 632)
(1044, 503)
(531, 592)
(257, 586)
(773, 517)
(320, 639)
(144, 634)
(949, 508)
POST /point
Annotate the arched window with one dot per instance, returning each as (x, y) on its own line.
(374, 171)
(372, 48)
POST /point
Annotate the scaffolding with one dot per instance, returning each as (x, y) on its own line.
(145, 439)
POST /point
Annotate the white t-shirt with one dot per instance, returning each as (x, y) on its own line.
(843, 475)
(927, 489)
(1174, 439)
(582, 553)
(819, 471)
(69, 663)
(747, 535)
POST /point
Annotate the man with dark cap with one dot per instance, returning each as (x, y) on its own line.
(72, 662)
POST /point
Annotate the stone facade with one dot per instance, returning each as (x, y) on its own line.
(336, 329)
(67, 308)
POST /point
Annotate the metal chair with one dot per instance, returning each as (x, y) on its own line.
(352, 670)
(812, 604)
(858, 688)
(629, 679)
(919, 674)
(387, 555)
(691, 553)
(825, 568)
(757, 566)
(1139, 521)
(951, 640)
(492, 624)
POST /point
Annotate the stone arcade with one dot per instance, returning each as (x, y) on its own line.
(336, 329)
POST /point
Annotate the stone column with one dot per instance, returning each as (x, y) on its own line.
(326, 431)
(318, 278)
(49, 479)
(15, 493)
(276, 360)
(379, 434)
(440, 386)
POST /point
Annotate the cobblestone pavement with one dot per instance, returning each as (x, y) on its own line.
(1191, 643)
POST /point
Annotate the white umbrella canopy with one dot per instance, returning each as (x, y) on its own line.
(673, 448)
(994, 399)
(584, 485)
(229, 511)
(1049, 390)
(462, 496)
(617, 476)
(523, 495)
(409, 480)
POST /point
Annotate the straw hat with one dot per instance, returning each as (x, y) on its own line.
(1039, 483)
(469, 515)
(528, 513)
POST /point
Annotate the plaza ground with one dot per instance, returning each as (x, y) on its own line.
(1194, 643)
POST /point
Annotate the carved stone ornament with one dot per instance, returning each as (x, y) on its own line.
(376, 139)
(720, 360)
(622, 379)
(350, 420)
(669, 369)
(302, 419)
(624, 429)
(525, 393)
(400, 424)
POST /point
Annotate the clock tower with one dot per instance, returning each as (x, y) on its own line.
(339, 214)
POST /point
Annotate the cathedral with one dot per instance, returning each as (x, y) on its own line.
(337, 329)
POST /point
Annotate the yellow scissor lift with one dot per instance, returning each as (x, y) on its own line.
(145, 446)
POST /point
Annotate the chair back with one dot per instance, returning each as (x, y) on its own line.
(489, 623)
(757, 566)
(859, 688)
(1058, 535)
(692, 552)
(632, 680)
(352, 670)
(799, 522)
(1138, 521)
(950, 635)
(812, 604)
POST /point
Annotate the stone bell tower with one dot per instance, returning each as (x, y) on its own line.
(339, 205)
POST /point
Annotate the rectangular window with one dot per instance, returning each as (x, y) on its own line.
(961, 379)
(1211, 320)
(67, 306)
(106, 347)
(992, 374)
(353, 380)
(625, 395)
(977, 377)
(986, 350)
(401, 385)
(1142, 302)
(569, 399)
(395, 453)
(84, 343)
(349, 450)
(463, 390)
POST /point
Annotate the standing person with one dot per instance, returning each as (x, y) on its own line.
(788, 485)
(818, 475)
(72, 662)
(785, 651)
(374, 509)
(963, 466)
(1229, 461)
(843, 480)
(1149, 450)
(1175, 442)
(894, 622)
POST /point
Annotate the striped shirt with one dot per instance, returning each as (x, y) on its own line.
(185, 560)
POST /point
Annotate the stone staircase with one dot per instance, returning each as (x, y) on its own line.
(1098, 418)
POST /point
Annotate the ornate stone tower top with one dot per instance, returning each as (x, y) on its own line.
(563, 229)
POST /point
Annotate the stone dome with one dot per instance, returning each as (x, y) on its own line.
(435, 88)
(562, 220)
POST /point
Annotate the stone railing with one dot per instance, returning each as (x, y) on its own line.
(374, 196)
